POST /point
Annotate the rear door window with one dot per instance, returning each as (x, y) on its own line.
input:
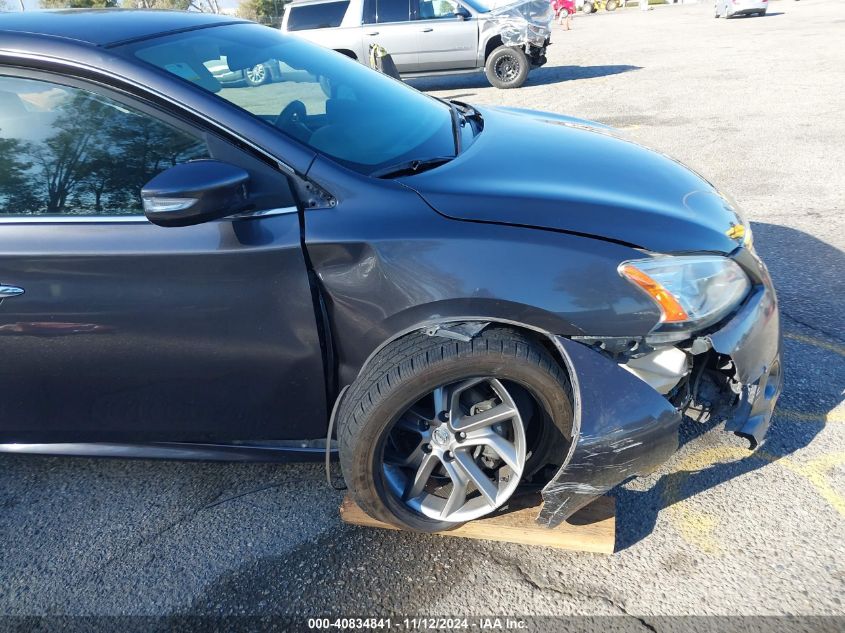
(393, 11)
(316, 16)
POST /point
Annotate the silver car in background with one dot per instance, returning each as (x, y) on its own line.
(431, 37)
(730, 8)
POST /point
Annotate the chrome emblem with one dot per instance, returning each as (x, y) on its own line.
(440, 436)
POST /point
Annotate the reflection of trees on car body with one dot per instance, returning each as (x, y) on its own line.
(81, 154)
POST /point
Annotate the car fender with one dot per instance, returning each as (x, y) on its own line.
(387, 263)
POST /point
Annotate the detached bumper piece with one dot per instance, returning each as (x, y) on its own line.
(621, 428)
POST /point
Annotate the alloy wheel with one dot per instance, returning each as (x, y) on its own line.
(507, 68)
(257, 74)
(458, 453)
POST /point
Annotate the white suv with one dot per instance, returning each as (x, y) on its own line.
(431, 37)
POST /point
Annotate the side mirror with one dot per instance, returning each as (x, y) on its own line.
(463, 14)
(195, 192)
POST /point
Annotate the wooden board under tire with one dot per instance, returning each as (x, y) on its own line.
(591, 529)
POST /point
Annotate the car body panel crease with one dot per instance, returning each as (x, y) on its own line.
(645, 207)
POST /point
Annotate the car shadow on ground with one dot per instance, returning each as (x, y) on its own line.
(538, 77)
(813, 387)
(740, 18)
(350, 570)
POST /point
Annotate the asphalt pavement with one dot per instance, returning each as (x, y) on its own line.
(755, 104)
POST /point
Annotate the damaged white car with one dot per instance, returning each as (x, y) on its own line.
(431, 37)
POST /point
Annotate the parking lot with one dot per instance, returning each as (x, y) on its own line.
(756, 105)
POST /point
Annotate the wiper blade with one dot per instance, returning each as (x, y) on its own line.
(466, 110)
(410, 167)
(458, 121)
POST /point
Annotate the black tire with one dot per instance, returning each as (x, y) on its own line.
(611, 5)
(401, 373)
(587, 8)
(507, 67)
(257, 75)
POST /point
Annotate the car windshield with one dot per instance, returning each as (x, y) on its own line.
(359, 117)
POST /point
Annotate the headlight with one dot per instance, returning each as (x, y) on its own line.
(692, 292)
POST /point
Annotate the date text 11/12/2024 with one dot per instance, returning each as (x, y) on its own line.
(487, 623)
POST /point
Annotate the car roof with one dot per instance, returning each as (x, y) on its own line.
(106, 27)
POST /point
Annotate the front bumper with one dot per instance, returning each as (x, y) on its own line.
(537, 53)
(622, 427)
(752, 341)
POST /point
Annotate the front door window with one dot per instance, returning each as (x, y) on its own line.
(438, 9)
(67, 151)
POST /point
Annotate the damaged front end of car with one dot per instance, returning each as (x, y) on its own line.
(630, 395)
(525, 25)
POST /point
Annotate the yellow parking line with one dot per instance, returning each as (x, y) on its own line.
(699, 528)
(811, 340)
(696, 527)
(837, 415)
(815, 471)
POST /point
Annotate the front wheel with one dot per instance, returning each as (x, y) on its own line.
(436, 432)
(507, 67)
(587, 8)
(611, 5)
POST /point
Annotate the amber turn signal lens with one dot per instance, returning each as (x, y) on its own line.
(673, 312)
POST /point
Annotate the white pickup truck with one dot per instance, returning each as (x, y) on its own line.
(431, 37)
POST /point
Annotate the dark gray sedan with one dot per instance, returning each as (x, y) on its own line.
(463, 297)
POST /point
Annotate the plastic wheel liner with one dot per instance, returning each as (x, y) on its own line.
(521, 23)
(621, 428)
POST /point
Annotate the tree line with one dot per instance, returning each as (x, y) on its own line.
(267, 12)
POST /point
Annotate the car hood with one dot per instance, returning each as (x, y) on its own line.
(559, 173)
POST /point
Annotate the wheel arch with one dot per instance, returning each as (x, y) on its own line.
(492, 44)
(471, 327)
(535, 331)
(347, 52)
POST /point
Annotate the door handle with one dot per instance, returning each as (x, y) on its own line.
(427, 30)
(9, 291)
(373, 33)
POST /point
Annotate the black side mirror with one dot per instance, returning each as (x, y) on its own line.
(195, 192)
(463, 14)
